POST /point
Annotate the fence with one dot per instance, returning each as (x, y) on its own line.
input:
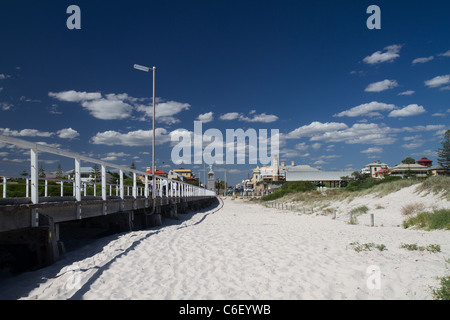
(164, 187)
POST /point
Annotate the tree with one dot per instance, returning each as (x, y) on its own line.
(59, 172)
(444, 154)
(96, 173)
(409, 160)
(41, 172)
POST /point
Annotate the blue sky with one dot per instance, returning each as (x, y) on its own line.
(340, 94)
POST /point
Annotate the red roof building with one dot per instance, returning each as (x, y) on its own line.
(425, 162)
(159, 173)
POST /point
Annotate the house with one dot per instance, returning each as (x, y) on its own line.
(436, 170)
(159, 173)
(382, 173)
(185, 173)
(405, 170)
(334, 178)
(374, 167)
(425, 162)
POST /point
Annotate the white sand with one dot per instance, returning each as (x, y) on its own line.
(247, 251)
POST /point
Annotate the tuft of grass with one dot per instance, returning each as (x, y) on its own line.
(367, 246)
(442, 293)
(436, 185)
(414, 247)
(430, 220)
(359, 210)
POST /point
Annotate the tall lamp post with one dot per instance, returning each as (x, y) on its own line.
(147, 69)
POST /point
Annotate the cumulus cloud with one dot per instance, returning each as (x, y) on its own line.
(367, 109)
(445, 54)
(408, 111)
(67, 133)
(388, 54)
(406, 93)
(165, 111)
(206, 117)
(25, 133)
(132, 138)
(315, 128)
(438, 81)
(253, 117)
(75, 96)
(381, 86)
(373, 150)
(360, 133)
(121, 106)
(423, 60)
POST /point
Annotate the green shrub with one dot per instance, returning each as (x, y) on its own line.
(289, 187)
(443, 293)
(430, 220)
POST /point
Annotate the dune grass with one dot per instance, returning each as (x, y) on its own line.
(436, 185)
(439, 219)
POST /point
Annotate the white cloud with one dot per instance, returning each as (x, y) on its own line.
(315, 128)
(230, 116)
(165, 111)
(406, 93)
(389, 54)
(4, 76)
(373, 150)
(381, 86)
(360, 133)
(132, 139)
(265, 118)
(206, 117)
(25, 133)
(121, 106)
(6, 106)
(414, 145)
(408, 111)
(113, 156)
(67, 133)
(445, 54)
(438, 81)
(367, 109)
(75, 96)
(104, 109)
(422, 60)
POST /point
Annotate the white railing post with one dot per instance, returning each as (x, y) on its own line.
(121, 189)
(34, 187)
(4, 187)
(134, 185)
(146, 187)
(27, 188)
(104, 183)
(34, 177)
(77, 179)
(45, 188)
(62, 188)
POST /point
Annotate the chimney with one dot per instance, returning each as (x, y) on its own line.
(378, 161)
(282, 164)
(292, 163)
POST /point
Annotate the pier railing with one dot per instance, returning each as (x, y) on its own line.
(164, 187)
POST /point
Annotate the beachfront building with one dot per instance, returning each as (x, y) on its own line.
(332, 178)
(185, 173)
(425, 162)
(159, 173)
(373, 167)
(406, 170)
(382, 173)
(436, 170)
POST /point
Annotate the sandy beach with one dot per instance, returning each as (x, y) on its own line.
(245, 250)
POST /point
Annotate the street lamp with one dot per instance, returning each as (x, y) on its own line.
(147, 69)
